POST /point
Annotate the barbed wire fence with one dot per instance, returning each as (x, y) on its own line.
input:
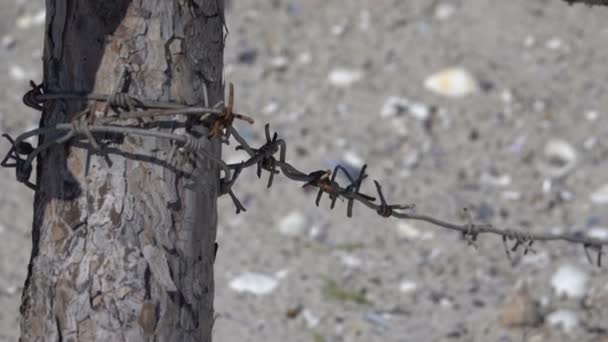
(122, 109)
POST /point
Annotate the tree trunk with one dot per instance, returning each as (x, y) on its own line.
(124, 252)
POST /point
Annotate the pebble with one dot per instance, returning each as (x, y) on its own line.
(408, 286)
(495, 180)
(11, 290)
(559, 158)
(305, 58)
(506, 96)
(444, 11)
(279, 63)
(567, 320)
(318, 233)
(350, 260)
(408, 231)
(600, 196)
(591, 115)
(255, 283)
(270, 108)
(344, 78)
(452, 82)
(8, 42)
(554, 44)
(338, 30)
(590, 143)
(529, 41)
(520, 309)
(17, 73)
(511, 195)
(393, 106)
(419, 111)
(310, 318)
(247, 56)
(354, 160)
(281, 274)
(28, 20)
(570, 281)
(600, 233)
(376, 319)
(293, 224)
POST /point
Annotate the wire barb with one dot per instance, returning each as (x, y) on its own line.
(23, 171)
(221, 126)
(30, 98)
(386, 210)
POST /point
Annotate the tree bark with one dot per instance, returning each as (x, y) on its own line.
(589, 2)
(124, 252)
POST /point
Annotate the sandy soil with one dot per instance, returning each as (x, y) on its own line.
(540, 66)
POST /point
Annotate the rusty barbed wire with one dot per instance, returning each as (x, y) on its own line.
(219, 119)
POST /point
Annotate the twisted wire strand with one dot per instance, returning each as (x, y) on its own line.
(264, 158)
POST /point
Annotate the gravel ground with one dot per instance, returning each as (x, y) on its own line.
(526, 147)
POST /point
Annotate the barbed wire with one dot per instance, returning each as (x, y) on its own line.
(219, 119)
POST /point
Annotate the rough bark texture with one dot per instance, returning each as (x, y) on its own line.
(125, 252)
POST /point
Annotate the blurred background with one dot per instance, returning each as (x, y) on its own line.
(499, 106)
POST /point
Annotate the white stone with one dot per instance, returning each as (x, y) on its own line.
(255, 283)
(600, 196)
(495, 180)
(554, 43)
(394, 105)
(444, 10)
(600, 233)
(454, 82)
(11, 290)
(293, 224)
(560, 158)
(305, 58)
(511, 195)
(408, 286)
(281, 274)
(506, 96)
(591, 115)
(567, 320)
(406, 230)
(39, 18)
(570, 281)
(279, 63)
(24, 22)
(589, 143)
(270, 108)
(17, 73)
(529, 41)
(338, 30)
(343, 78)
(419, 111)
(353, 159)
(8, 41)
(350, 260)
(311, 319)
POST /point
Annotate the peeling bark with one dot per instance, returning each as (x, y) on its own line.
(124, 252)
